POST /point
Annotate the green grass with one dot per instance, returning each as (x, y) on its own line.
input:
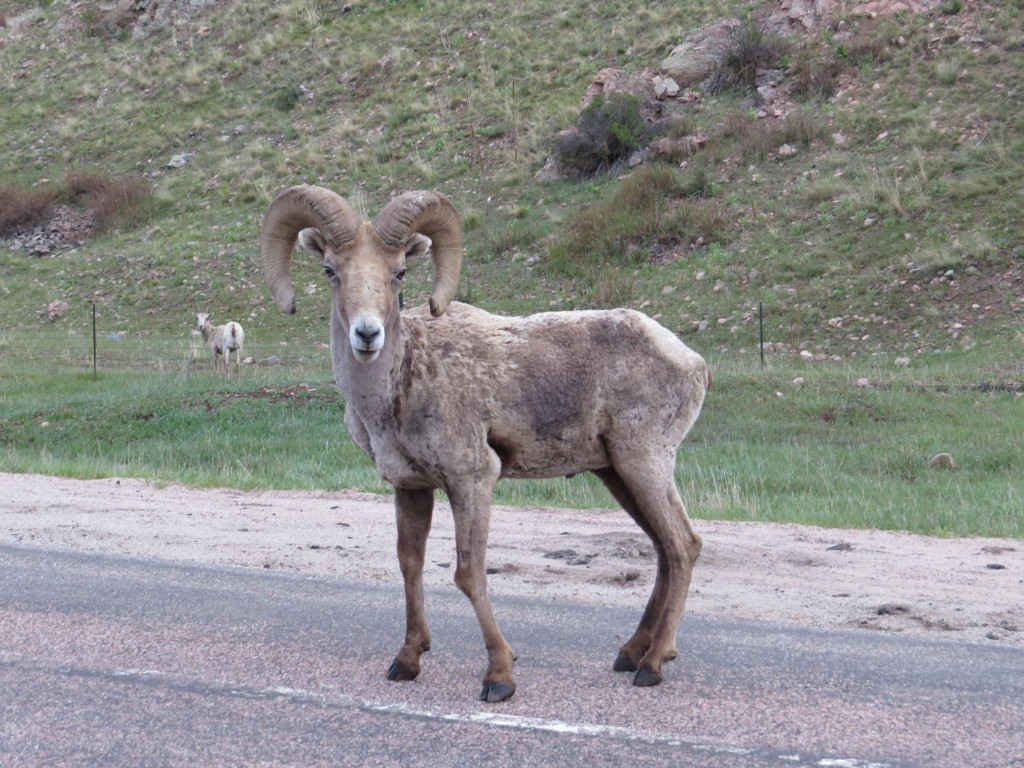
(254, 431)
(829, 452)
(824, 451)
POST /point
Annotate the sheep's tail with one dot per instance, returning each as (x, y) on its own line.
(235, 335)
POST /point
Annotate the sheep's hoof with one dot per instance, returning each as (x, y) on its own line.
(494, 692)
(400, 671)
(624, 663)
(644, 678)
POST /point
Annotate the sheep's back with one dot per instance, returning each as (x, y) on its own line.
(550, 390)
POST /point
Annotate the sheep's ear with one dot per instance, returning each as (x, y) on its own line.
(313, 241)
(417, 246)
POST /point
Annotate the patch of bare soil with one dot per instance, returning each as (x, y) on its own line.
(962, 589)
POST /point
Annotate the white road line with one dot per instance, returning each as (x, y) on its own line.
(521, 722)
(498, 720)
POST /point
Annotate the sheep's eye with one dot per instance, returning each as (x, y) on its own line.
(400, 274)
(329, 271)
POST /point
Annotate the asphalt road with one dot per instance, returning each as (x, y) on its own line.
(112, 661)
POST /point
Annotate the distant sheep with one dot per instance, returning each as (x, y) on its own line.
(449, 396)
(221, 339)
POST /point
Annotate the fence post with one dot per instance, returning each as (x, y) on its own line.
(94, 374)
(760, 328)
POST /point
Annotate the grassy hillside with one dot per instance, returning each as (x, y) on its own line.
(895, 228)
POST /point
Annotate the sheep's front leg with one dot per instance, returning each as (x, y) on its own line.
(471, 507)
(414, 510)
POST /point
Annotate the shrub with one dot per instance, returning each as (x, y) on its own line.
(114, 201)
(647, 213)
(648, 186)
(24, 207)
(814, 77)
(751, 47)
(677, 127)
(122, 204)
(700, 182)
(611, 288)
(699, 221)
(753, 137)
(798, 128)
(608, 131)
(947, 71)
(285, 99)
(865, 48)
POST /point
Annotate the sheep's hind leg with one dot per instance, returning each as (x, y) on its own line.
(414, 510)
(654, 503)
(634, 649)
(471, 507)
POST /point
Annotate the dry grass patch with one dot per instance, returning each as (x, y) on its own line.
(655, 210)
(24, 207)
(758, 139)
(113, 201)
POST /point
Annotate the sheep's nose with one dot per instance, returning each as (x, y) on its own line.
(367, 334)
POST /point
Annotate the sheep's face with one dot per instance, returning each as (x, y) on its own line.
(201, 318)
(365, 278)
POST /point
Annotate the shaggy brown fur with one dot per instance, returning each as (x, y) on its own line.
(458, 400)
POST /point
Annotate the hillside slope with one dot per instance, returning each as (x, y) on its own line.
(892, 224)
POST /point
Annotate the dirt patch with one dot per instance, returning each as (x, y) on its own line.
(963, 589)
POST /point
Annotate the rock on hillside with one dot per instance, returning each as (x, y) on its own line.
(693, 63)
(700, 53)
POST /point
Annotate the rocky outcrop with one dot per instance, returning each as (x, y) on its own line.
(700, 53)
(803, 15)
(611, 80)
(876, 8)
(65, 229)
(697, 63)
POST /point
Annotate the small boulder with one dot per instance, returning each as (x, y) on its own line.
(610, 80)
(699, 54)
(665, 88)
(57, 308)
(179, 161)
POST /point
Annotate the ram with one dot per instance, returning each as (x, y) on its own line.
(447, 396)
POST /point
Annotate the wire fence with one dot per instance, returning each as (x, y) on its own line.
(143, 350)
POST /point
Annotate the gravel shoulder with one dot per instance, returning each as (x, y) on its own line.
(969, 589)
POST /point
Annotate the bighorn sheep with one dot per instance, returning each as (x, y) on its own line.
(222, 339)
(455, 398)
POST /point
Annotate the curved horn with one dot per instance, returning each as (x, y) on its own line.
(431, 214)
(291, 211)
